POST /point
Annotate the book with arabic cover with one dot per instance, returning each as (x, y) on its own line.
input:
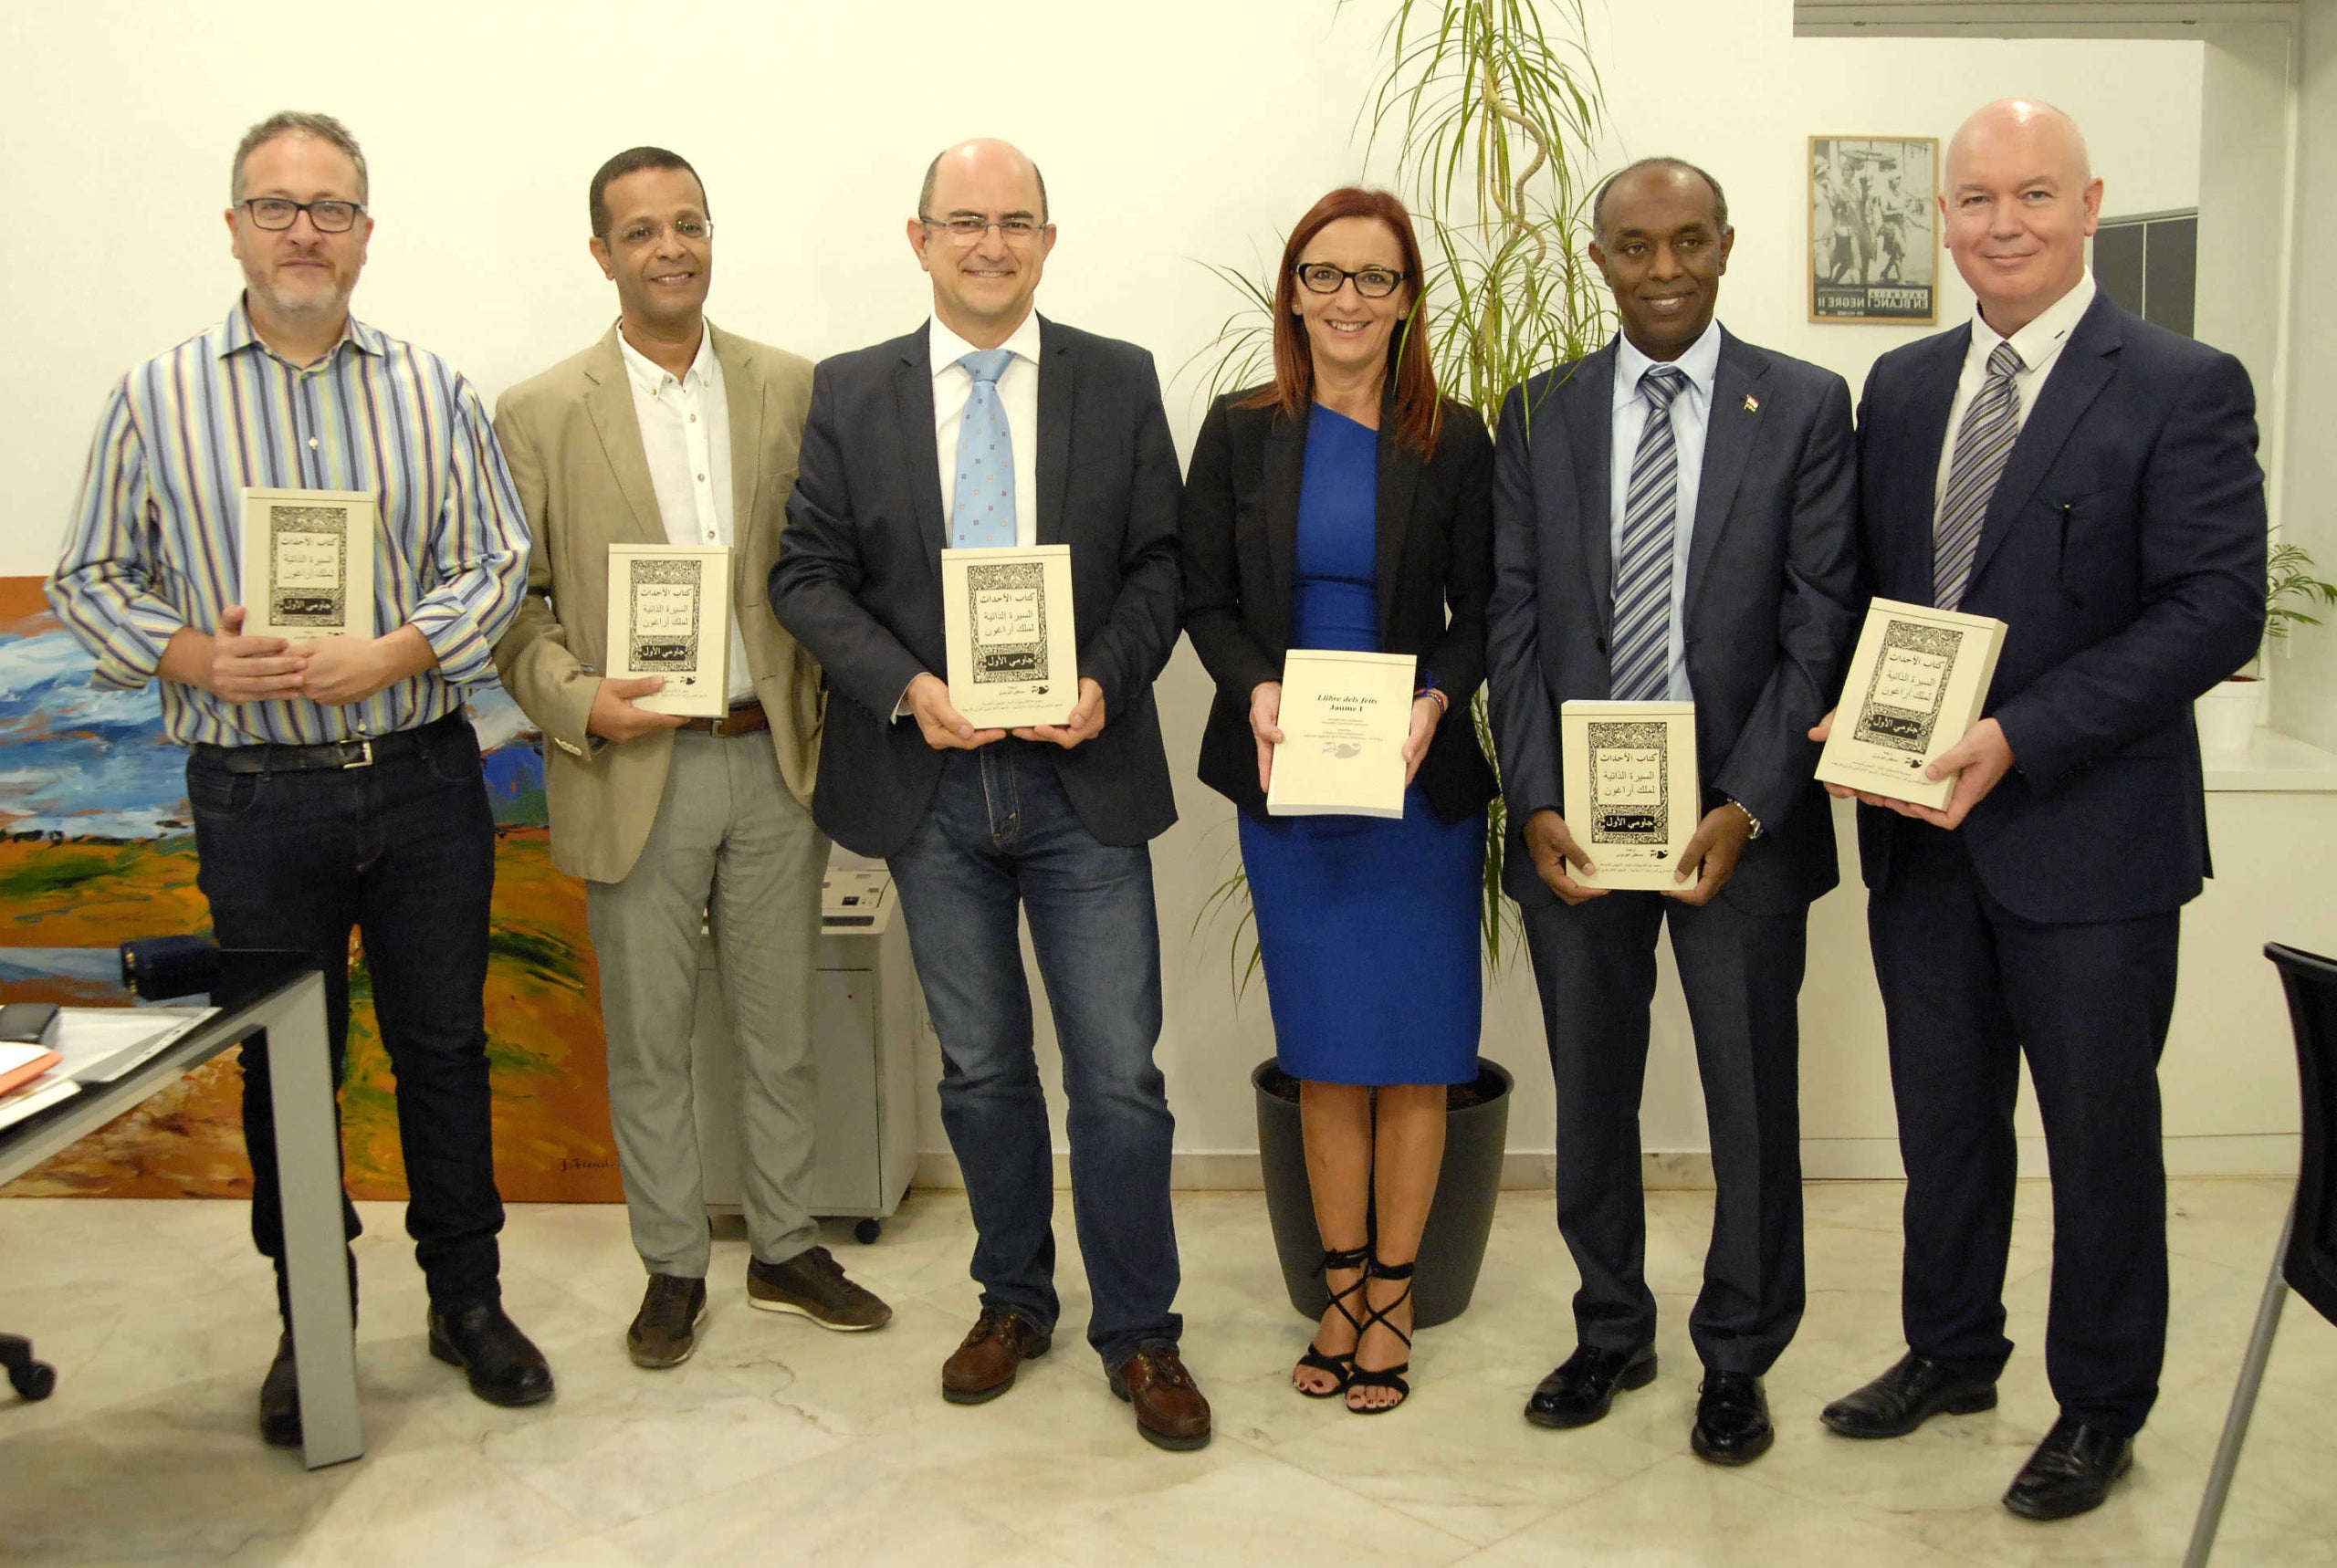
(669, 614)
(308, 563)
(1634, 797)
(1917, 682)
(1012, 639)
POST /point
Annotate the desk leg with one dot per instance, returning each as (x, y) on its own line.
(308, 1155)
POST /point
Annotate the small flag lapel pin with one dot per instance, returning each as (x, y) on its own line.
(1752, 404)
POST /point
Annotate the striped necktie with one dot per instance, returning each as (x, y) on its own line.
(1640, 667)
(1990, 427)
(982, 505)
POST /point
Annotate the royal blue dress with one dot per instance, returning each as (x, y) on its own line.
(1368, 926)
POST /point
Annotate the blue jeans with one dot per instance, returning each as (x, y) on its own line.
(1001, 835)
(404, 851)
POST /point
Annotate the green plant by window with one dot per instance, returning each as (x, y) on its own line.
(2290, 586)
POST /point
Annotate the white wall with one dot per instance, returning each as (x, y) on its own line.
(2304, 670)
(1168, 137)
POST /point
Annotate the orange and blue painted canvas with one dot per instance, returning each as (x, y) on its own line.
(96, 847)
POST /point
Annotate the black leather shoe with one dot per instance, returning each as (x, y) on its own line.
(1583, 1387)
(504, 1365)
(2070, 1472)
(1906, 1396)
(1731, 1419)
(279, 1398)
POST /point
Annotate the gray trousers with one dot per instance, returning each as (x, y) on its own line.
(729, 845)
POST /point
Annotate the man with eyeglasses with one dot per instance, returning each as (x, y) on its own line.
(336, 782)
(989, 425)
(670, 430)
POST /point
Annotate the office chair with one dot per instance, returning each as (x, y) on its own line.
(2306, 1259)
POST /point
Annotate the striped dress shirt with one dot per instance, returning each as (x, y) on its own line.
(157, 541)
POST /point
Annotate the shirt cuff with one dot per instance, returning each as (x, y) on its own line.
(133, 658)
(465, 657)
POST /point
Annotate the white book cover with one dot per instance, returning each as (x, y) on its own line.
(1344, 718)
(308, 563)
(1013, 636)
(670, 615)
(1633, 797)
(1917, 682)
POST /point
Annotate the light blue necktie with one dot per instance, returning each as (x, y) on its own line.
(1639, 666)
(981, 507)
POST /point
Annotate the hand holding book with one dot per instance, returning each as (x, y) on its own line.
(1712, 854)
(1977, 763)
(1918, 677)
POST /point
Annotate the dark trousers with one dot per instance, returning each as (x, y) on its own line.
(1001, 839)
(1741, 972)
(402, 851)
(1967, 989)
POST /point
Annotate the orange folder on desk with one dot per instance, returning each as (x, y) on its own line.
(20, 1064)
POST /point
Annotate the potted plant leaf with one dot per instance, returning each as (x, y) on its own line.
(2227, 714)
(1491, 108)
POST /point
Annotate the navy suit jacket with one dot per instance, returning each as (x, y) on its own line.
(2123, 548)
(1769, 616)
(858, 580)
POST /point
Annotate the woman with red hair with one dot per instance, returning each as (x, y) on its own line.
(1348, 505)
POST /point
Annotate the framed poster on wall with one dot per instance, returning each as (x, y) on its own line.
(1873, 241)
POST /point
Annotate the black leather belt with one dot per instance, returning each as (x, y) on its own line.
(270, 757)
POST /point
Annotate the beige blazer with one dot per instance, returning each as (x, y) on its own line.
(574, 446)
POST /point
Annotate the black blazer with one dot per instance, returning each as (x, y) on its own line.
(1240, 535)
(858, 580)
(2123, 548)
(1770, 612)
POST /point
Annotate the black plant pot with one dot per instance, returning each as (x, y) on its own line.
(1452, 1246)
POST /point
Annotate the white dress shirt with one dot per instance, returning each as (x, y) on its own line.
(1691, 409)
(686, 434)
(1018, 391)
(2039, 344)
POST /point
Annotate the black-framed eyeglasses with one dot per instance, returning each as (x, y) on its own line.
(691, 229)
(331, 217)
(1372, 282)
(966, 229)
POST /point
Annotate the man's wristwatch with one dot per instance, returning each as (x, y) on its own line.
(1748, 815)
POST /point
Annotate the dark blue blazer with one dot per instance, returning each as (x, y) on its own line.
(1433, 530)
(2123, 548)
(858, 580)
(1770, 612)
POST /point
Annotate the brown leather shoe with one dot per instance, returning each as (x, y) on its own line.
(1170, 1409)
(665, 1331)
(983, 1366)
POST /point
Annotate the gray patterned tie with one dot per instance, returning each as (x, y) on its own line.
(1640, 667)
(1990, 427)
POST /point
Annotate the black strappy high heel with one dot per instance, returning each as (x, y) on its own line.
(1389, 1377)
(1341, 1368)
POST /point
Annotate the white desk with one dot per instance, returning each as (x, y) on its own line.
(308, 1153)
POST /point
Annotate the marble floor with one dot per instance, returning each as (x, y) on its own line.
(782, 1443)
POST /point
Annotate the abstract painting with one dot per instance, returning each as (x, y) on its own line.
(96, 847)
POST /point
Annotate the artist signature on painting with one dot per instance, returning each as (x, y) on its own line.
(573, 1163)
